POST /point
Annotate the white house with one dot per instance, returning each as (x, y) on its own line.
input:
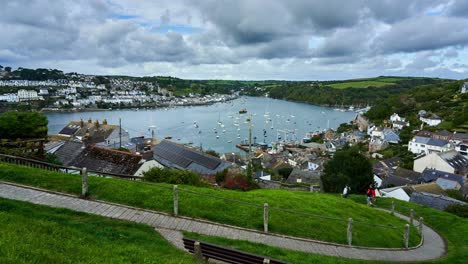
(396, 117)
(425, 145)
(395, 192)
(400, 124)
(451, 162)
(464, 88)
(43, 91)
(431, 120)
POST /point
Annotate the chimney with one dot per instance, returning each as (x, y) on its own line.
(81, 122)
(90, 121)
(104, 122)
(96, 123)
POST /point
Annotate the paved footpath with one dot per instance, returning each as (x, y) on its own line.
(170, 227)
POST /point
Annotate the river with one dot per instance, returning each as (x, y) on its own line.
(219, 126)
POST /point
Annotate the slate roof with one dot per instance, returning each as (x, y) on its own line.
(96, 133)
(443, 133)
(75, 154)
(447, 184)
(401, 123)
(69, 130)
(429, 175)
(455, 159)
(460, 136)
(305, 176)
(180, 157)
(421, 140)
(437, 142)
(69, 151)
(391, 136)
(433, 200)
(108, 160)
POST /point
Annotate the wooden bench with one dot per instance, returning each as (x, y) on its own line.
(204, 250)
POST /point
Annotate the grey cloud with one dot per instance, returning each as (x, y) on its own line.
(422, 61)
(459, 8)
(425, 33)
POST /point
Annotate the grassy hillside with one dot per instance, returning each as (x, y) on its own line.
(360, 84)
(39, 234)
(452, 228)
(247, 214)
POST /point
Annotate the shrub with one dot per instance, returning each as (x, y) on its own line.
(173, 176)
(455, 195)
(235, 180)
(458, 209)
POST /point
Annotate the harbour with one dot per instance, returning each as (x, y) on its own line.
(220, 126)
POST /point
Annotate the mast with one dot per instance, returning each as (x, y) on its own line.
(250, 135)
(120, 132)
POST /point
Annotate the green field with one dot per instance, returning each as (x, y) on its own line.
(360, 84)
(40, 234)
(226, 211)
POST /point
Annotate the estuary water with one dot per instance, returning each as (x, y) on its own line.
(219, 126)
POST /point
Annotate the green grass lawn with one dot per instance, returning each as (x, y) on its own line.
(150, 196)
(452, 228)
(40, 234)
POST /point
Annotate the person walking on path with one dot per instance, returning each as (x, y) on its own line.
(346, 191)
(370, 195)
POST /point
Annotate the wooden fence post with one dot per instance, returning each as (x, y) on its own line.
(350, 232)
(176, 201)
(421, 220)
(406, 235)
(393, 207)
(265, 217)
(197, 250)
(84, 182)
(411, 216)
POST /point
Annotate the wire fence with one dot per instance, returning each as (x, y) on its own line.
(415, 223)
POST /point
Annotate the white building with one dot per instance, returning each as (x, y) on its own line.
(424, 145)
(10, 98)
(451, 162)
(27, 95)
(464, 88)
(396, 117)
(431, 120)
(43, 91)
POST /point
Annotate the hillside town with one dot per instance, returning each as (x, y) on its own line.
(79, 92)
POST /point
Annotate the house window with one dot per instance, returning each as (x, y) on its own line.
(422, 146)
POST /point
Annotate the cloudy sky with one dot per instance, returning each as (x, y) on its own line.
(238, 39)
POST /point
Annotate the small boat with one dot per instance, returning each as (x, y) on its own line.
(217, 137)
(229, 141)
(168, 138)
(243, 111)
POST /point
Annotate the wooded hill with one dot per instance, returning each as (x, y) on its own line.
(442, 99)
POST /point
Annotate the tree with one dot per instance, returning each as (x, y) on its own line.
(348, 167)
(8, 69)
(20, 125)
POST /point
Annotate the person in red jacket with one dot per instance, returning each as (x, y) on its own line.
(370, 195)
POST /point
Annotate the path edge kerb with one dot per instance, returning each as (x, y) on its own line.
(228, 226)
